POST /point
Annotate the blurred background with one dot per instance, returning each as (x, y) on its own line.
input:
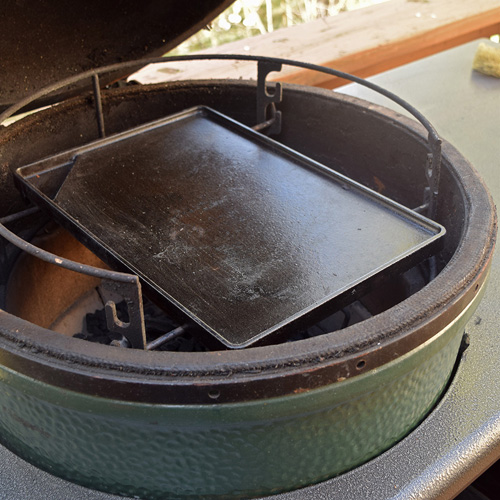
(246, 18)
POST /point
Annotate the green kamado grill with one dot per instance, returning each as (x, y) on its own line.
(219, 289)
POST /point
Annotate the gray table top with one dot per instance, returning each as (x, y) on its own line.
(461, 437)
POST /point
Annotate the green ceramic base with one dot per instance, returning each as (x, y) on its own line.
(226, 450)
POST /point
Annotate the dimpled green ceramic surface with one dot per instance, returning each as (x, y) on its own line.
(227, 450)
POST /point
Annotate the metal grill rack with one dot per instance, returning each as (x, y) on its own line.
(268, 119)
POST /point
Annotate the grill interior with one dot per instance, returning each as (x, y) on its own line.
(240, 330)
(246, 238)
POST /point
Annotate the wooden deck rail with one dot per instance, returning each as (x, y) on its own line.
(362, 42)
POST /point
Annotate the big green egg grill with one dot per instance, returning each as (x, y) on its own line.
(274, 395)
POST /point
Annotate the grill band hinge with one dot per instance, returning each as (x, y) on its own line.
(265, 100)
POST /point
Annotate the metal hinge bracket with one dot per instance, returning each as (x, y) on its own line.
(133, 330)
(266, 100)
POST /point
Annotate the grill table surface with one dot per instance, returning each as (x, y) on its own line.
(240, 233)
(461, 437)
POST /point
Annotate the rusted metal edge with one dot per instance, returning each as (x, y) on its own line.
(93, 380)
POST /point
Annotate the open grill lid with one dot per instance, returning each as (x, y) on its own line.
(43, 42)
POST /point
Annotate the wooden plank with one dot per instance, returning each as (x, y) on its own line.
(363, 42)
(393, 54)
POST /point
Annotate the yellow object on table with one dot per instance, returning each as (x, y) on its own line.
(487, 60)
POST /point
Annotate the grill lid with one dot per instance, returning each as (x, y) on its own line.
(44, 42)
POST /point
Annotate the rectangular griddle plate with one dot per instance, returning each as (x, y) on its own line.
(242, 234)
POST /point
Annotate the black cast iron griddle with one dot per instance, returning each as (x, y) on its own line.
(242, 234)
